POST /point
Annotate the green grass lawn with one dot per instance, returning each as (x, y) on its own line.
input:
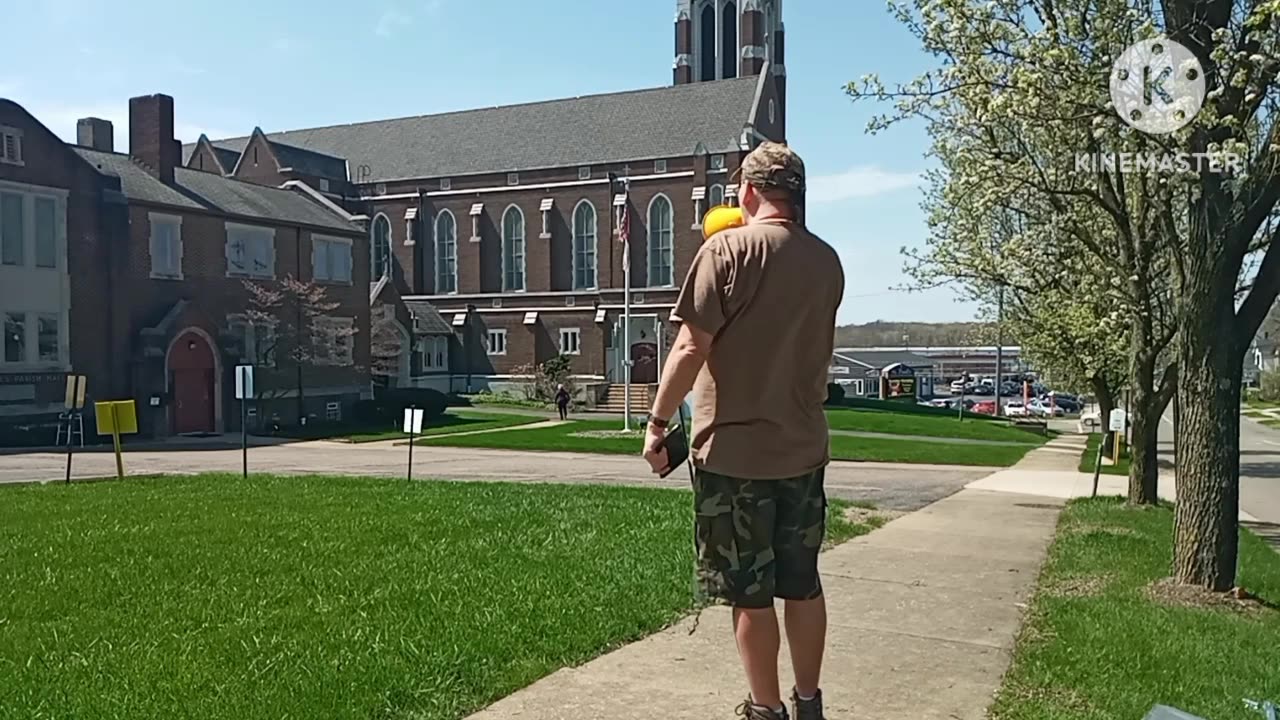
(567, 438)
(1272, 423)
(1089, 459)
(928, 425)
(1261, 405)
(219, 598)
(456, 420)
(1096, 646)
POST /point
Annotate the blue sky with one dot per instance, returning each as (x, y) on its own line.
(287, 64)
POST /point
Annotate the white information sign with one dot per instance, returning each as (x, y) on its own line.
(413, 421)
(1118, 419)
(244, 382)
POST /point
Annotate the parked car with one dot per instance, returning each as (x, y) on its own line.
(986, 407)
(1044, 408)
(958, 386)
(1015, 409)
(983, 390)
(1067, 403)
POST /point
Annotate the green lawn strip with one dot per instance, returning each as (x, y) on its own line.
(325, 597)
(1089, 458)
(1272, 423)
(456, 420)
(1262, 405)
(1095, 646)
(926, 425)
(570, 438)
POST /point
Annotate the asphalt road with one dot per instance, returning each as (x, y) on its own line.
(889, 486)
(1259, 467)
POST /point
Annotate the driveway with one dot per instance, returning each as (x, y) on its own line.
(890, 486)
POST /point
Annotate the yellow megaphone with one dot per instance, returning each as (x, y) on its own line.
(721, 217)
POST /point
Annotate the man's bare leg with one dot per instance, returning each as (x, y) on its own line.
(806, 622)
(758, 643)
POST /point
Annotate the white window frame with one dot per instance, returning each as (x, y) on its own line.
(715, 196)
(584, 173)
(446, 184)
(595, 246)
(11, 139)
(513, 178)
(324, 184)
(699, 201)
(659, 167)
(335, 326)
(57, 336)
(35, 231)
(26, 353)
(491, 347)
(548, 205)
(717, 162)
(252, 334)
(171, 268)
(257, 232)
(325, 244)
(452, 273)
(652, 237)
(376, 273)
(570, 341)
(508, 272)
(477, 209)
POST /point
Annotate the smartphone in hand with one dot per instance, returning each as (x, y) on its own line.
(677, 446)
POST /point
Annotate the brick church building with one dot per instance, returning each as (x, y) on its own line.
(493, 233)
(474, 244)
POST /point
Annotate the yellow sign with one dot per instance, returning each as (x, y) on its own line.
(75, 392)
(116, 417)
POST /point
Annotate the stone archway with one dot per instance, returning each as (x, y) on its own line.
(191, 366)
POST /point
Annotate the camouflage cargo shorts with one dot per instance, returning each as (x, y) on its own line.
(759, 539)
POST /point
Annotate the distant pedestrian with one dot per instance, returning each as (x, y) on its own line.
(562, 402)
(757, 318)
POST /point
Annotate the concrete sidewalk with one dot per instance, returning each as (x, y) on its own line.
(923, 615)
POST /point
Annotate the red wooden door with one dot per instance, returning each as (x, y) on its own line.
(192, 401)
(191, 367)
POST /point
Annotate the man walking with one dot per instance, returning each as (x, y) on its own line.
(757, 327)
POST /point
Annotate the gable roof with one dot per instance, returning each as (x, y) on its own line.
(429, 321)
(225, 158)
(616, 127)
(880, 359)
(210, 192)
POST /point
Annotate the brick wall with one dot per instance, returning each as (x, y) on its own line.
(210, 296)
(258, 164)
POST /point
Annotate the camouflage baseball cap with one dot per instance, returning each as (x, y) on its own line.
(773, 166)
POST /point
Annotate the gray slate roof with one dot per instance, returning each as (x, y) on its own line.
(880, 359)
(429, 320)
(226, 158)
(197, 190)
(618, 127)
(309, 162)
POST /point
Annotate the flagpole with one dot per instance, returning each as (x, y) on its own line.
(626, 303)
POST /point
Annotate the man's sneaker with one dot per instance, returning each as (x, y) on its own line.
(750, 711)
(807, 709)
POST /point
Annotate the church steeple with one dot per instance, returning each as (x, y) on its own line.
(722, 39)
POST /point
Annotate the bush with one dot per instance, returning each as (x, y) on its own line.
(388, 405)
(1269, 386)
(547, 378)
(835, 393)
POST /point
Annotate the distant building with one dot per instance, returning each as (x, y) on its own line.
(858, 370)
(1264, 352)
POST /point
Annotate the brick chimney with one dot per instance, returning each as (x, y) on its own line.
(95, 133)
(151, 134)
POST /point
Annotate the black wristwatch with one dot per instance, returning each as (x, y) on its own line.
(658, 422)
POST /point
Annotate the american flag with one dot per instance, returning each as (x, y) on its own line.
(624, 227)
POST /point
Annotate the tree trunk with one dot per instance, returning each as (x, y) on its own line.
(1143, 467)
(1206, 534)
(1106, 403)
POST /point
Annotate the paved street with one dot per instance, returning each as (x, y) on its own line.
(897, 487)
(1259, 467)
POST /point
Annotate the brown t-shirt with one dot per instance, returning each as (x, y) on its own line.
(768, 294)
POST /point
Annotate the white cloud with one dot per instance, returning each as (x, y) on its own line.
(859, 182)
(392, 19)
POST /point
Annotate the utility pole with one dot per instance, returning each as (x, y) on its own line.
(999, 348)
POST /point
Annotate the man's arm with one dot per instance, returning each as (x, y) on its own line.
(688, 355)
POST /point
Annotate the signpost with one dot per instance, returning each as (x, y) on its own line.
(244, 393)
(1116, 423)
(412, 426)
(75, 404)
(116, 418)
